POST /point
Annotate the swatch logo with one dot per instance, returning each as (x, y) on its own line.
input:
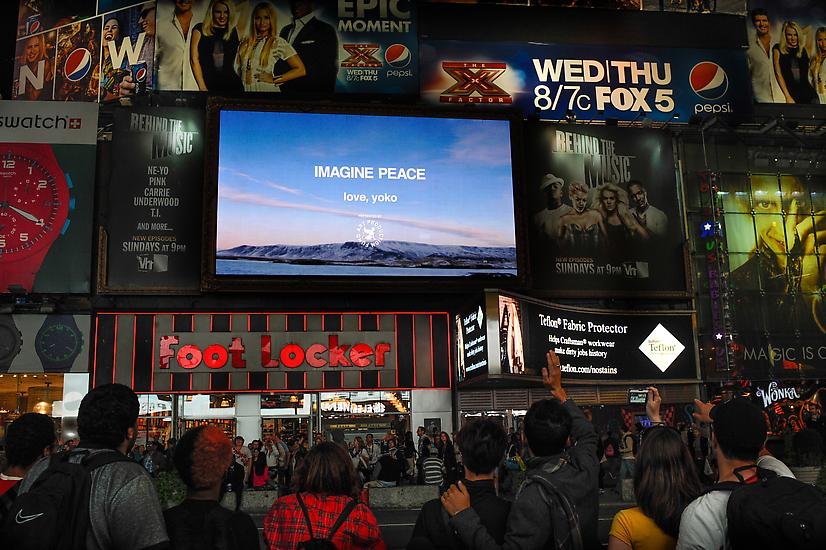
(78, 64)
(398, 56)
(708, 80)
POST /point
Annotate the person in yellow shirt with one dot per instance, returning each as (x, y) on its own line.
(665, 482)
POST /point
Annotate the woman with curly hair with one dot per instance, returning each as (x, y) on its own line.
(581, 230)
(324, 505)
(620, 224)
(202, 456)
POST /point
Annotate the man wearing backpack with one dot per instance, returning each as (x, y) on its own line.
(28, 438)
(93, 497)
(749, 507)
(557, 504)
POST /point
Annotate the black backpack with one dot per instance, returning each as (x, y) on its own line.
(54, 513)
(314, 543)
(774, 512)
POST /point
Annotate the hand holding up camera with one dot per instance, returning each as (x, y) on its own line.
(652, 404)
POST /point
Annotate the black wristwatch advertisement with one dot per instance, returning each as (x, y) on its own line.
(11, 340)
(58, 343)
(32, 343)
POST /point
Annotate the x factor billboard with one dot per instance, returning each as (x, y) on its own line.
(291, 47)
(79, 51)
(787, 51)
(555, 81)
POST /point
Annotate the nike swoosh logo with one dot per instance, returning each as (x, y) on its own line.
(20, 518)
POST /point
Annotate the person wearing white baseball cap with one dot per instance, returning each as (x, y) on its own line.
(546, 221)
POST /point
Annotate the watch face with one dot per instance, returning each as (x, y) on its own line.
(30, 205)
(58, 343)
(9, 343)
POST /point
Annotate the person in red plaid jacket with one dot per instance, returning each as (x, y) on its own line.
(326, 482)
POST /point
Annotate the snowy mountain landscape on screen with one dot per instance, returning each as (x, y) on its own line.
(386, 253)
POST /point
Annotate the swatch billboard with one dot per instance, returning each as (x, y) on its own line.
(559, 81)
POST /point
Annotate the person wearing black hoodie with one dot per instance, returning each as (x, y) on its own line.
(482, 444)
(558, 503)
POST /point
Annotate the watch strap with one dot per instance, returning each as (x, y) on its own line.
(21, 273)
(8, 321)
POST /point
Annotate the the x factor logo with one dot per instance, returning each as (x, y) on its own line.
(361, 55)
(474, 83)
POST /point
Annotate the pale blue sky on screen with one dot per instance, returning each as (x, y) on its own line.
(268, 193)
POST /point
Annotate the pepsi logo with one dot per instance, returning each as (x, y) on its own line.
(78, 64)
(34, 26)
(708, 80)
(140, 74)
(397, 55)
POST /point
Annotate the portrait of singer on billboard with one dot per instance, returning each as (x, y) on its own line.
(604, 211)
(231, 46)
(34, 67)
(775, 229)
(511, 343)
(787, 51)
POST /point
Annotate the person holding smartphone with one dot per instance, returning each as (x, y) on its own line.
(665, 482)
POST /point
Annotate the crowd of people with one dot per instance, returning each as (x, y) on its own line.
(100, 494)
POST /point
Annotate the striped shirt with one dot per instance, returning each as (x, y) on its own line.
(432, 467)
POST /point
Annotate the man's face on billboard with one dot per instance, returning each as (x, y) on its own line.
(580, 199)
(639, 196)
(761, 24)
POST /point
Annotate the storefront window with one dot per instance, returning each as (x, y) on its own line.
(287, 414)
(22, 393)
(154, 418)
(347, 414)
